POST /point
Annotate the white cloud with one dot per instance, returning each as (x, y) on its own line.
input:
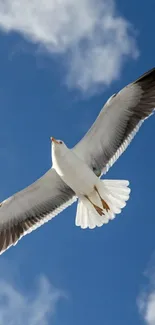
(150, 309)
(146, 299)
(29, 308)
(146, 304)
(92, 33)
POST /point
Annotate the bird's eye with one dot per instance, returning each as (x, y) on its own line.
(60, 142)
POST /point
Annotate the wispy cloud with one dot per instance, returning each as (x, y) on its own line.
(91, 36)
(31, 308)
(146, 299)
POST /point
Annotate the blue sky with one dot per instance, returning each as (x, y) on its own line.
(59, 62)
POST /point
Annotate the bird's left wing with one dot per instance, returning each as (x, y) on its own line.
(117, 124)
(32, 207)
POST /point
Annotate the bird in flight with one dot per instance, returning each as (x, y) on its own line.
(76, 173)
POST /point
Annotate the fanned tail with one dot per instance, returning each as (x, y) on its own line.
(114, 192)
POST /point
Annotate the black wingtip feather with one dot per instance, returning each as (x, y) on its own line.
(147, 76)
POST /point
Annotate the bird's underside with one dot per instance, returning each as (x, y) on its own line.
(111, 133)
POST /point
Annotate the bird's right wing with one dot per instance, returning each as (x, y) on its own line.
(32, 207)
(117, 124)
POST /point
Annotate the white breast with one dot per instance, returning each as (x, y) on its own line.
(75, 173)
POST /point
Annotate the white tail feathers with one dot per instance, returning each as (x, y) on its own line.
(114, 192)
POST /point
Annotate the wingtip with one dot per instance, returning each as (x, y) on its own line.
(149, 75)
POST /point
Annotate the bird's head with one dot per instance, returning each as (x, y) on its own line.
(59, 148)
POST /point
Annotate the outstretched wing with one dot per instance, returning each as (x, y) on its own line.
(117, 124)
(32, 207)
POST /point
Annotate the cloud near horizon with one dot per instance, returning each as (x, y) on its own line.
(28, 308)
(91, 36)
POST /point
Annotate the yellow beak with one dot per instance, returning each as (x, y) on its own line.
(54, 140)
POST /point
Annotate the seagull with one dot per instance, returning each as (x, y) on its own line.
(76, 173)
